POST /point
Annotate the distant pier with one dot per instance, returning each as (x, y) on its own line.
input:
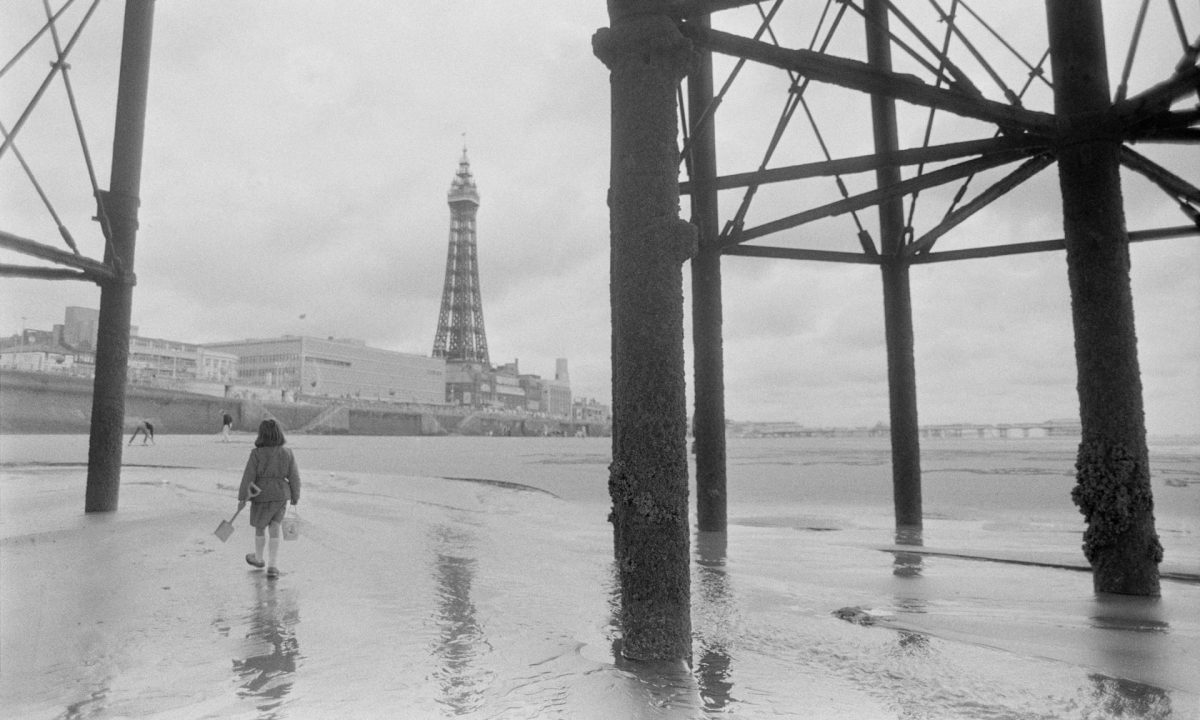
(1043, 428)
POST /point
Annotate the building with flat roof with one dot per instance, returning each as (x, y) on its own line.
(38, 358)
(551, 397)
(79, 327)
(151, 360)
(338, 368)
(158, 359)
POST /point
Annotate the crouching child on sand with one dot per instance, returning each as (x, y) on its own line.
(271, 480)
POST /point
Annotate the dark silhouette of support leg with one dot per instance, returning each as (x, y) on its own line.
(707, 342)
(116, 296)
(648, 482)
(1113, 465)
(897, 299)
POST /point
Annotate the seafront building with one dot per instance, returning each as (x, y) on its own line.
(80, 326)
(337, 368)
(153, 358)
(69, 349)
(42, 358)
(590, 410)
(292, 368)
(554, 396)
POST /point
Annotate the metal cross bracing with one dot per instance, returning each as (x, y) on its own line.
(928, 123)
(974, 104)
(116, 207)
(460, 333)
(54, 37)
(970, 91)
(967, 85)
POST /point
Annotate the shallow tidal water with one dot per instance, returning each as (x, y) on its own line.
(471, 577)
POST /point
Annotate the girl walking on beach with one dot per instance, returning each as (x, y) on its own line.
(270, 481)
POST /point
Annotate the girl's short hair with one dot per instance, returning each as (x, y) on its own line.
(269, 434)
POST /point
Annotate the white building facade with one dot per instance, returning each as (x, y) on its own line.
(337, 368)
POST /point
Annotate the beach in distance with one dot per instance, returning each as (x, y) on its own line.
(439, 577)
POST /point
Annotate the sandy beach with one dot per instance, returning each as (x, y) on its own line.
(410, 594)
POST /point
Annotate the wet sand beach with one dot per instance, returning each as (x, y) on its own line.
(470, 577)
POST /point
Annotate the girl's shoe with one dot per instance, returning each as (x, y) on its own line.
(272, 572)
(254, 561)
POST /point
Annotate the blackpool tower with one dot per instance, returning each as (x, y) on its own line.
(460, 335)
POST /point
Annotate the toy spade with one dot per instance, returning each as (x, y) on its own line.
(225, 529)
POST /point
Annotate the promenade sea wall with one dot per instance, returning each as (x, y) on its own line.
(41, 403)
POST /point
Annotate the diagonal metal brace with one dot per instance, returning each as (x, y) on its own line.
(91, 269)
(874, 197)
(860, 76)
(1027, 170)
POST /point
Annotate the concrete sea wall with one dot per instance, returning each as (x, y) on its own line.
(41, 403)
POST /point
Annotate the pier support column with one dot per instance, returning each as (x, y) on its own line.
(897, 298)
(116, 296)
(648, 478)
(707, 341)
(1113, 466)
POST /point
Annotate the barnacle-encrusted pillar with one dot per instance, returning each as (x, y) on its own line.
(648, 478)
(1113, 465)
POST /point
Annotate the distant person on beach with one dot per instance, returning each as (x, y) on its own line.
(226, 425)
(270, 481)
(146, 428)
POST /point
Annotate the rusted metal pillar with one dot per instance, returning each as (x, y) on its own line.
(1113, 465)
(648, 483)
(116, 296)
(707, 343)
(897, 299)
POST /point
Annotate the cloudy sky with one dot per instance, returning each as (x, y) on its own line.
(298, 154)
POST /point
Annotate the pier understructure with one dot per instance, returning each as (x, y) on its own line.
(117, 218)
(982, 113)
(886, 64)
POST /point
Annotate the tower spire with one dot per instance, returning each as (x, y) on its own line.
(462, 188)
(460, 333)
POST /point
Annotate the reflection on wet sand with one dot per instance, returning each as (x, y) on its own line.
(907, 564)
(715, 607)
(460, 641)
(649, 689)
(660, 689)
(267, 677)
(100, 594)
(1123, 629)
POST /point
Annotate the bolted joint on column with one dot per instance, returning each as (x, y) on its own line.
(119, 205)
(641, 43)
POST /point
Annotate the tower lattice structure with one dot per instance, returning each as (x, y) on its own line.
(460, 334)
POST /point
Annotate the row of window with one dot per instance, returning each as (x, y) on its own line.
(326, 361)
(275, 359)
